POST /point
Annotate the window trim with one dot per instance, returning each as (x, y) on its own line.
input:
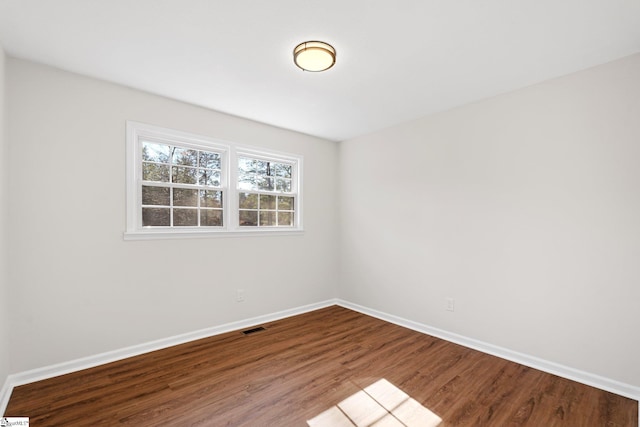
(229, 153)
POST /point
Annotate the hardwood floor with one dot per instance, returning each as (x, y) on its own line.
(302, 366)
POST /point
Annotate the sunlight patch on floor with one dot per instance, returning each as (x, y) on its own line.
(381, 405)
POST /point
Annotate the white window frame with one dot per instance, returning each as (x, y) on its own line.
(230, 152)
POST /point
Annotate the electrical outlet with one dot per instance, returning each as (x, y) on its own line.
(451, 304)
(239, 295)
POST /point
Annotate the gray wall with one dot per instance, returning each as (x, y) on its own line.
(524, 208)
(78, 288)
(4, 275)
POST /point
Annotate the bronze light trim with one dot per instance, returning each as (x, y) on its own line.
(314, 56)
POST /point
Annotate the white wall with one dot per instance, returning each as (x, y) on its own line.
(78, 288)
(525, 208)
(4, 276)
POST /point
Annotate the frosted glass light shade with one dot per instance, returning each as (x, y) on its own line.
(314, 56)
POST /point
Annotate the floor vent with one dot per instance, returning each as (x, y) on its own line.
(253, 330)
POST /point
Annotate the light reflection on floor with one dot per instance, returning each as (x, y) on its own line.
(381, 405)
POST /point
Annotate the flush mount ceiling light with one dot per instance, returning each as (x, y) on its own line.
(314, 56)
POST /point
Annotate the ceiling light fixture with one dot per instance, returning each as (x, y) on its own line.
(314, 56)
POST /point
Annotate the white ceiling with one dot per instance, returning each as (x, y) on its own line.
(396, 59)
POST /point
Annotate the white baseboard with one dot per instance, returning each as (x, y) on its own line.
(5, 394)
(593, 380)
(587, 378)
(39, 374)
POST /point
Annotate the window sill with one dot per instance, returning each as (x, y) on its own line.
(186, 234)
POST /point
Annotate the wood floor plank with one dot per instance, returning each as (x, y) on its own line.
(300, 367)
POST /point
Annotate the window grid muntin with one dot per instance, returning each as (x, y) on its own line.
(172, 206)
(260, 210)
(276, 160)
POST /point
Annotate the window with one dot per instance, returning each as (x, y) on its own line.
(181, 185)
(266, 193)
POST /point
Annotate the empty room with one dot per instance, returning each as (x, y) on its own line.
(319, 213)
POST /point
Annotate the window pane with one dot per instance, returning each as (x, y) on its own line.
(282, 170)
(267, 218)
(155, 172)
(182, 175)
(247, 182)
(185, 217)
(256, 174)
(262, 168)
(246, 165)
(210, 218)
(285, 219)
(285, 203)
(248, 218)
(153, 152)
(155, 195)
(210, 199)
(209, 177)
(248, 201)
(185, 197)
(209, 160)
(264, 183)
(155, 217)
(267, 202)
(185, 157)
(283, 185)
